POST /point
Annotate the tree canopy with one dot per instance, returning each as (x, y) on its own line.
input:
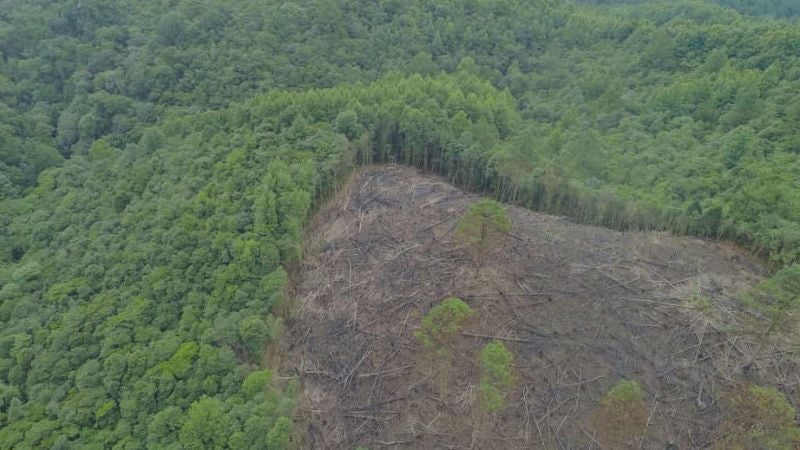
(497, 375)
(443, 322)
(482, 227)
(158, 163)
(758, 417)
(621, 417)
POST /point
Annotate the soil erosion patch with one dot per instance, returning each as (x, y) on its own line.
(579, 307)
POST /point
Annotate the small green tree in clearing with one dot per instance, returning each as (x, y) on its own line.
(497, 375)
(757, 417)
(482, 228)
(439, 327)
(444, 321)
(621, 417)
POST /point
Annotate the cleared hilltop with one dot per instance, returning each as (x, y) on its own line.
(580, 307)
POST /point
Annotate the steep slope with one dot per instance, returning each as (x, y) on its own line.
(580, 308)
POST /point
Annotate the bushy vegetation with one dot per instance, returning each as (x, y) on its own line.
(620, 419)
(774, 8)
(757, 417)
(443, 322)
(497, 375)
(438, 333)
(778, 297)
(158, 161)
(482, 228)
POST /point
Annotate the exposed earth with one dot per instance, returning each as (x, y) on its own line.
(580, 307)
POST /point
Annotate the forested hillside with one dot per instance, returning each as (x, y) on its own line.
(159, 160)
(770, 8)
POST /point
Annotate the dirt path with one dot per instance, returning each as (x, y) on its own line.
(580, 307)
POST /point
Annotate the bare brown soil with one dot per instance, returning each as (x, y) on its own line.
(580, 307)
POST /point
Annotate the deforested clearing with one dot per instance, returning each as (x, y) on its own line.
(580, 308)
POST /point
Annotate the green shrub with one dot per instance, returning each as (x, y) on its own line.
(622, 416)
(482, 228)
(778, 297)
(756, 417)
(497, 375)
(444, 321)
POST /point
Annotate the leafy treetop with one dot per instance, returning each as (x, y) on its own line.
(621, 416)
(482, 227)
(758, 417)
(444, 321)
(497, 375)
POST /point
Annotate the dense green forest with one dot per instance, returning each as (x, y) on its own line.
(158, 161)
(769, 8)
